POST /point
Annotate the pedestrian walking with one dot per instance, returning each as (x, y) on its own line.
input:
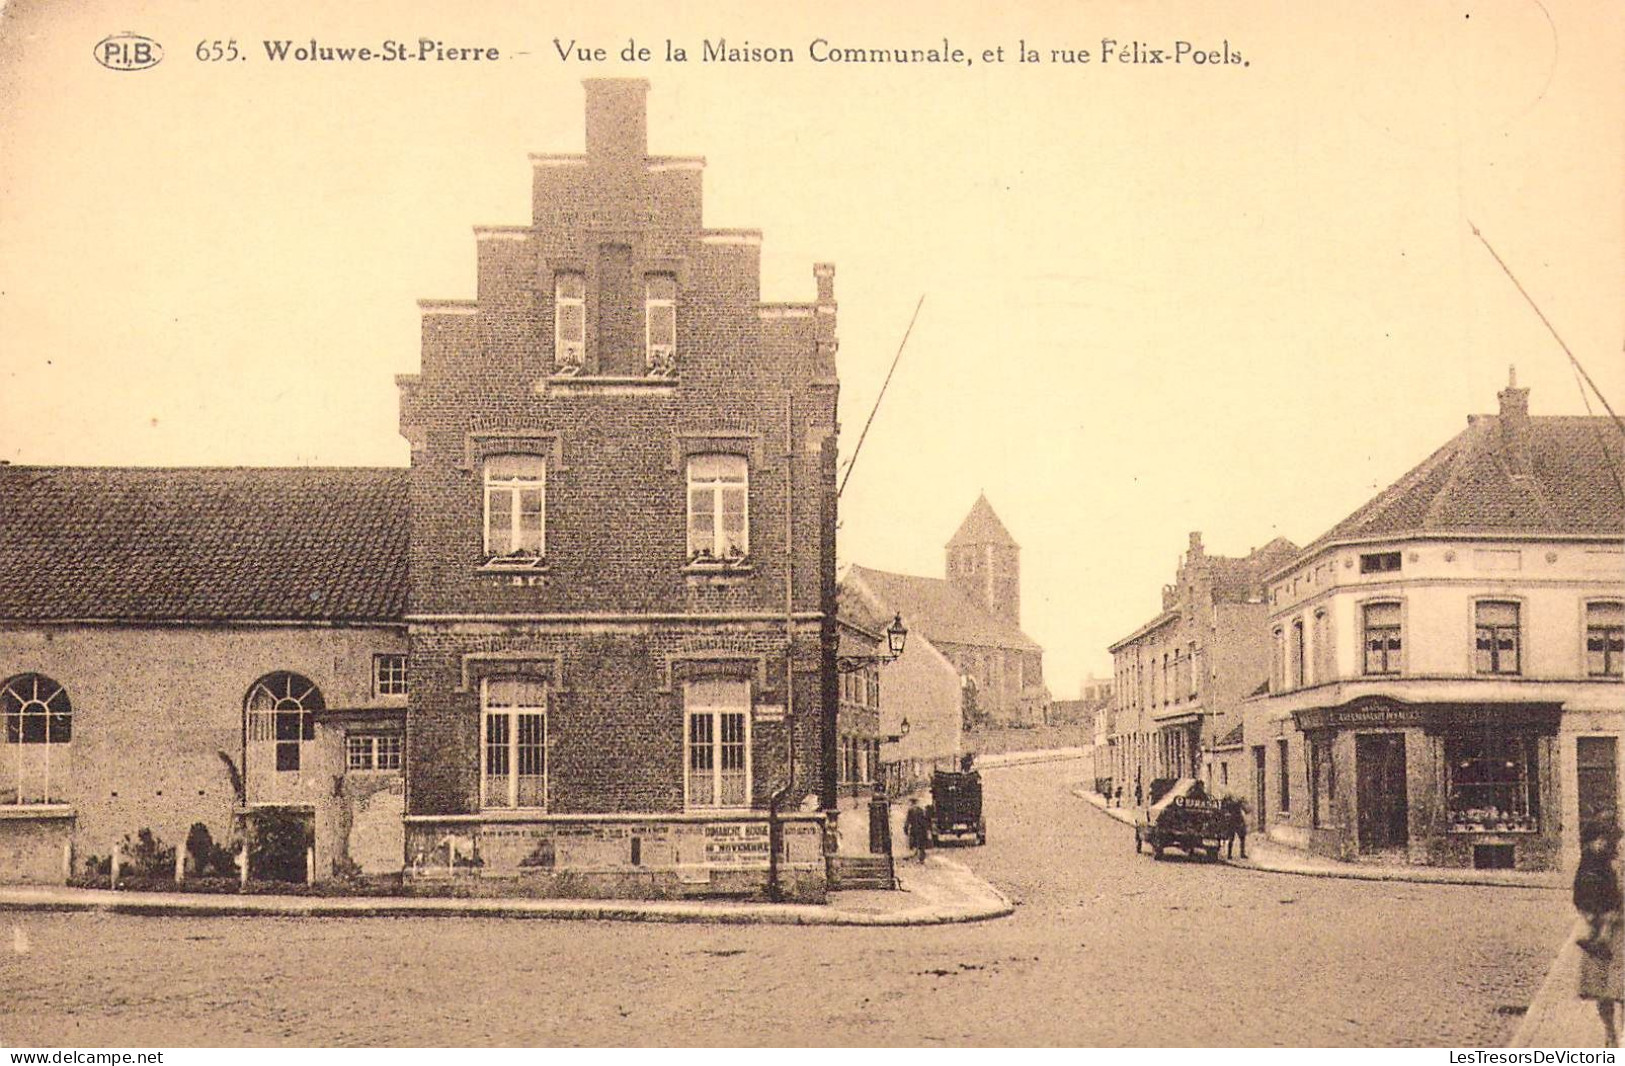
(916, 828)
(1597, 898)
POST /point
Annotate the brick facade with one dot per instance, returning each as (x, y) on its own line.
(615, 614)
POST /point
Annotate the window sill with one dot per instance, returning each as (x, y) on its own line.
(37, 810)
(606, 385)
(1479, 831)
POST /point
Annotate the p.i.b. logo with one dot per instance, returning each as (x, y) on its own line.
(128, 51)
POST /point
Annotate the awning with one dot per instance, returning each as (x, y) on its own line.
(1179, 720)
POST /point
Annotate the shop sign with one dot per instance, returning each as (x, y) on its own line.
(1364, 713)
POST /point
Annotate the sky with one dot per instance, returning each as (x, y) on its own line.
(1236, 297)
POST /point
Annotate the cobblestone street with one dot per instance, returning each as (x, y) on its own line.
(1106, 948)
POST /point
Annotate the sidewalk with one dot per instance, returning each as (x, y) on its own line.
(1557, 1016)
(1278, 858)
(940, 892)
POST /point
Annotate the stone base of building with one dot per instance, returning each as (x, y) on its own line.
(36, 845)
(1532, 852)
(676, 856)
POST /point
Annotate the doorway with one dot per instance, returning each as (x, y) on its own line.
(1379, 767)
(1596, 765)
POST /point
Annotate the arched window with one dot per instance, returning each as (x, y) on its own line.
(37, 711)
(39, 722)
(279, 711)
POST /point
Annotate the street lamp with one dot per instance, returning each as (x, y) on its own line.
(896, 637)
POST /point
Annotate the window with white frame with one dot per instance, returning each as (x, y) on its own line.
(1383, 640)
(569, 322)
(718, 508)
(660, 323)
(515, 507)
(39, 732)
(513, 758)
(1498, 638)
(717, 743)
(281, 710)
(1605, 639)
(372, 751)
(389, 674)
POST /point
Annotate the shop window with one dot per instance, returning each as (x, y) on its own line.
(1605, 639)
(39, 731)
(718, 509)
(569, 323)
(1492, 783)
(1382, 639)
(389, 674)
(717, 742)
(660, 324)
(281, 710)
(515, 507)
(513, 766)
(1379, 562)
(1498, 638)
(372, 751)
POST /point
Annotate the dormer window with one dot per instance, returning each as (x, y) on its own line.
(569, 323)
(660, 324)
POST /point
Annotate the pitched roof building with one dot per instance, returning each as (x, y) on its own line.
(972, 617)
(1445, 682)
(582, 640)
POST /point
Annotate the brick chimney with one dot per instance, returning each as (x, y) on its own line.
(1516, 449)
(617, 119)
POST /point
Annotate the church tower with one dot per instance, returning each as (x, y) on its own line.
(984, 562)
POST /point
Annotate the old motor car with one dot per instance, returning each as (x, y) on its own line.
(1186, 817)
(956, 806)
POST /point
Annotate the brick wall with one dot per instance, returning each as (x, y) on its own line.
(616, 597)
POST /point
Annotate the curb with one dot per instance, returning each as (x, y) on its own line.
(994, 904)
(1550, 996)
(1411, 875)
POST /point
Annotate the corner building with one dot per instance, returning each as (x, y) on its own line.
(1446, 672)
(622, 520)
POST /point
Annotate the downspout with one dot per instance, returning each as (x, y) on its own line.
(775, 831)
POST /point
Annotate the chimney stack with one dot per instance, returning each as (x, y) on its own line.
(1516, 448)
(617, 120)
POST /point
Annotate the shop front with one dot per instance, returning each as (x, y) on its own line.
(1438, 784)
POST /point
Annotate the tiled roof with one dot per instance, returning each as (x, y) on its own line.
(202, 544)
(932, 606)
(982, 526)
(1241, 580)
(1468, 486)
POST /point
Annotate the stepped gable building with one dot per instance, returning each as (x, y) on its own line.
(1447, 661)
(1179, 680)
(578, 645)
(972, 617)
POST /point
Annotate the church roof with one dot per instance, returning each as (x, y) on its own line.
(981, 527)
(203, 544)
(935, 608)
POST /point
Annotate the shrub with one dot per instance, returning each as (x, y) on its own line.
(279, 839)
(208, 858)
